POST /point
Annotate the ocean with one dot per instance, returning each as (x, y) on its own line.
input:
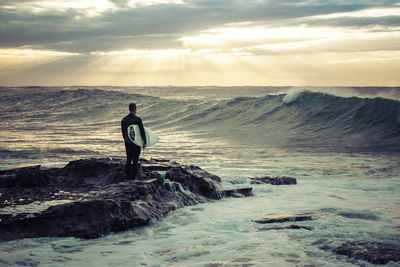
(341, 143)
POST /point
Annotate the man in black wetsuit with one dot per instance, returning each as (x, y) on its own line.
(132, 150)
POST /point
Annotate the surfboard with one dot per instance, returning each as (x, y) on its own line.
(135, 136)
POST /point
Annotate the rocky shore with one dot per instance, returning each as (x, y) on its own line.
(88, 198)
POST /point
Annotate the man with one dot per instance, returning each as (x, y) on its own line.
(132, 150)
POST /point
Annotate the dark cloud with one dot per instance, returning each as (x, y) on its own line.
(160, 26)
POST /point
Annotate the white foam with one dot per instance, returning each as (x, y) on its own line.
(292, 95)
(342, 192)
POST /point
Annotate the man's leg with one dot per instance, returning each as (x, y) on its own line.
(129, 156)
(135, 157)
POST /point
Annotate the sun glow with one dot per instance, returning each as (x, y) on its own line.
(138, 3)
(282, 38)
(294, 51)
(32, 53)
(144, 52)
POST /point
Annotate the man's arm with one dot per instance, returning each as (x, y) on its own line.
(123, 128)
(142, 133)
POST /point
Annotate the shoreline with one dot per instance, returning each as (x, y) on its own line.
(88, 198)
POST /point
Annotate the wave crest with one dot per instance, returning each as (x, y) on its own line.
(299, 119)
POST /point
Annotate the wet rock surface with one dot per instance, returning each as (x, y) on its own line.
(359, 215)
(241, 192)
(373, 252)
(292, 226)
(18, 177)
(274, 180)
(88, 198)
(279, 218)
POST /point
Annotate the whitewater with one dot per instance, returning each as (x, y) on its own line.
(342, 145)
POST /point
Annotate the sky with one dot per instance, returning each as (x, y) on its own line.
(200, 42)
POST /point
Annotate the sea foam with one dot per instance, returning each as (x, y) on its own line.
(292, 95)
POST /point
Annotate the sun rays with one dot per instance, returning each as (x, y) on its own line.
(356, 47)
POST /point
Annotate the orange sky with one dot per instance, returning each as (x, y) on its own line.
(177, 42)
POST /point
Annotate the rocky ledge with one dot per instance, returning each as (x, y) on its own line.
(285, 218)
(373, 252)
(88, 198)
(273, 180)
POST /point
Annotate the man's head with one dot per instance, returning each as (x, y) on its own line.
(132, 108)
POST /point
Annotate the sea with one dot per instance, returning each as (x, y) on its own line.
(342, 144)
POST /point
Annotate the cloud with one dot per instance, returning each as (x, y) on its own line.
(193, 42)
(122, 24)
(26, 52)
(362, 18)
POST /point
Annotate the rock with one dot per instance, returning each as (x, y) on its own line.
(21, 170)
(292, 226)
(156, 167)
(193, 182)
(373, 252)
(359, 215)
(240, 192)
(285, 218)
(94, 171)
(84, 219)
(160, 160)
(274, 180)
(197, 171)
(24, 177)
(89, 198)
(159, 164)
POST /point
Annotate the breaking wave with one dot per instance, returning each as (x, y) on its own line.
(300, 120)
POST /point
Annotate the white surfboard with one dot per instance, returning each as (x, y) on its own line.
(135, 136)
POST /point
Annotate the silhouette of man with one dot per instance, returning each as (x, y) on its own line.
(132, 150)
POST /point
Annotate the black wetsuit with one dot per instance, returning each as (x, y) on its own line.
(132, 150)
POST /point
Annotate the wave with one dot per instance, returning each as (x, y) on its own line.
(303, 120)
(296, 120)
(73, 106)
